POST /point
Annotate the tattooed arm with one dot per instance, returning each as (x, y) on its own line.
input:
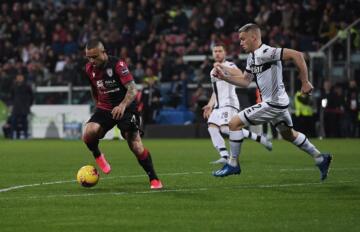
(119, 110)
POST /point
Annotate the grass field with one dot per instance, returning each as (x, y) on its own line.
(276, 191)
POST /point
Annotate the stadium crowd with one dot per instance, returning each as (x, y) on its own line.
(44, 40)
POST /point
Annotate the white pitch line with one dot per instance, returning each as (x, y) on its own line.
(256, 186)
(70, 181)
(311, 169)
(137, 176)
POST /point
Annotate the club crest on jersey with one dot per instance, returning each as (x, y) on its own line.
(109, 72)
(100, 84)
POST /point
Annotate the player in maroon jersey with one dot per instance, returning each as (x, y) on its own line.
(114, 91)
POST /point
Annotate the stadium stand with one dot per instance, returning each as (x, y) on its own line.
(44, 40)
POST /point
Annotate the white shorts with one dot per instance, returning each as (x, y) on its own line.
(263, 112)
(221, 116)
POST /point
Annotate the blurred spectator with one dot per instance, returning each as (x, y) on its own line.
(22, 99)
(6, 128)
(352, 110)
(198, 100)
(139, 72)
(334, 112)
(150, 99)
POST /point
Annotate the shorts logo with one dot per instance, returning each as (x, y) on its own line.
(109, 72)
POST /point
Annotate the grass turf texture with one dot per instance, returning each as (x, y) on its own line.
(276, 191)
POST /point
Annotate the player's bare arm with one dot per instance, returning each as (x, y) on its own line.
(299, 61)
(232, 75)
(119, 110)
(208, 107)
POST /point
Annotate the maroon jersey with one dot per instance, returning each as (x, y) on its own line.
(109, 83)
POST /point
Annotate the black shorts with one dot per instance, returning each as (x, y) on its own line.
(130, 122)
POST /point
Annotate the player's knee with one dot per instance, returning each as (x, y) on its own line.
(289, 134)
(90, 135)
(235, 124)
(137, 149)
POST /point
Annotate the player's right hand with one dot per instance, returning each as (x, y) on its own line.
(207, 111)
(118, 111)
(306, 88)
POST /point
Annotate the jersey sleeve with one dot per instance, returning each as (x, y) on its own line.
(270, 54)
(123, 72)
(247, 68)
(247, 72)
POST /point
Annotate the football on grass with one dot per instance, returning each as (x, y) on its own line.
(87, 176)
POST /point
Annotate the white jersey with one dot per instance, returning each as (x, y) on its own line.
(225, 94)
(264, 65)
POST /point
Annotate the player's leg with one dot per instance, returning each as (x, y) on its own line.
(143, 156)
(100, 122)
(92, 134)
(218, 142)
(254, 115)
(322, 161)
(284, 124)
(218, 125)
(258, 138)
(235, 140)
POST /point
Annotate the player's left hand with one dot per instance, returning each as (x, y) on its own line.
(118, 111)
(306, 88)
(207, 111)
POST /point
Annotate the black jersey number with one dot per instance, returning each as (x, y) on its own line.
(258, 106)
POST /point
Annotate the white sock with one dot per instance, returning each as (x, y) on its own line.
(253, 136)
(304, 144)
(218, 141)
(236, 139)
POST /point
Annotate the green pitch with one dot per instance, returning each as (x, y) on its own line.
(276, 191)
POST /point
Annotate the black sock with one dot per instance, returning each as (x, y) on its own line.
(147, 165)
(94, 148)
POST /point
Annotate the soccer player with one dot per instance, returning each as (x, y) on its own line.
(222, 106)
(114, 91)
(264, 65)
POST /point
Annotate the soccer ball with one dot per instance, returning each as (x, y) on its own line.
(87, 176)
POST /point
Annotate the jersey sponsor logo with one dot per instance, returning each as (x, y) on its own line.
(124, 71)
(109, 72)
(110, 83)
(256, 69)
(111, 91)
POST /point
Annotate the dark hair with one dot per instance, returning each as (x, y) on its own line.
(219, 44)
(93, 43)
(249, 27)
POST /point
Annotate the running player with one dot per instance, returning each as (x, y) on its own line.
(264, 65)
(114, 91)
(222, 106)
